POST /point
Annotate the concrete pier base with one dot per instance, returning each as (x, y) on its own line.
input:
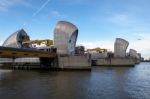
(115, 62)
(74, 62)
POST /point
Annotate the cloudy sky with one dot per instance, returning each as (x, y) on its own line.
(99, 21)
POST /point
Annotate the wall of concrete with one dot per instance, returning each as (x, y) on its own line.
(95, 55)
(6, 60)
(116, 62)
(20, 60)
(27, 60)
(74, 62)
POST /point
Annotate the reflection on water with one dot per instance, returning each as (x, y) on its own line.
(100, 83)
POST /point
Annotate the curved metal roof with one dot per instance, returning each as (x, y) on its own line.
(65, 37)
(120, 47)
(133, 53)
(120, 40)
(15, 39)
(66, 27)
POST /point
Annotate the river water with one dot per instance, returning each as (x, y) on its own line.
(100, 83)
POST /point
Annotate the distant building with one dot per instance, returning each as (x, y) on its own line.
(65, 36)
(120, 48)
(15, 40)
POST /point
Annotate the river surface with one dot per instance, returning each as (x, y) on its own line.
(100, 83)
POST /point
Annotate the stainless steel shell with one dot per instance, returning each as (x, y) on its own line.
(65, 36)
(15, 39)
(120, 47)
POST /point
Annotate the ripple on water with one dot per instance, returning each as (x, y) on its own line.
(100, 83)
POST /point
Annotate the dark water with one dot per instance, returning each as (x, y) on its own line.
(100, 83)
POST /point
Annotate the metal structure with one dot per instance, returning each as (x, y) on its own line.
(120, 48)
(139, 56)
(25, 52)
(133, 53)
(99, 50)
(47, 42)
(18, 45)
(65, 36)
(15, 40)
(98, 53)
(79, 50)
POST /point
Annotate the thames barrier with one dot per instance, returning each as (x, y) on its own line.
(18, 51)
